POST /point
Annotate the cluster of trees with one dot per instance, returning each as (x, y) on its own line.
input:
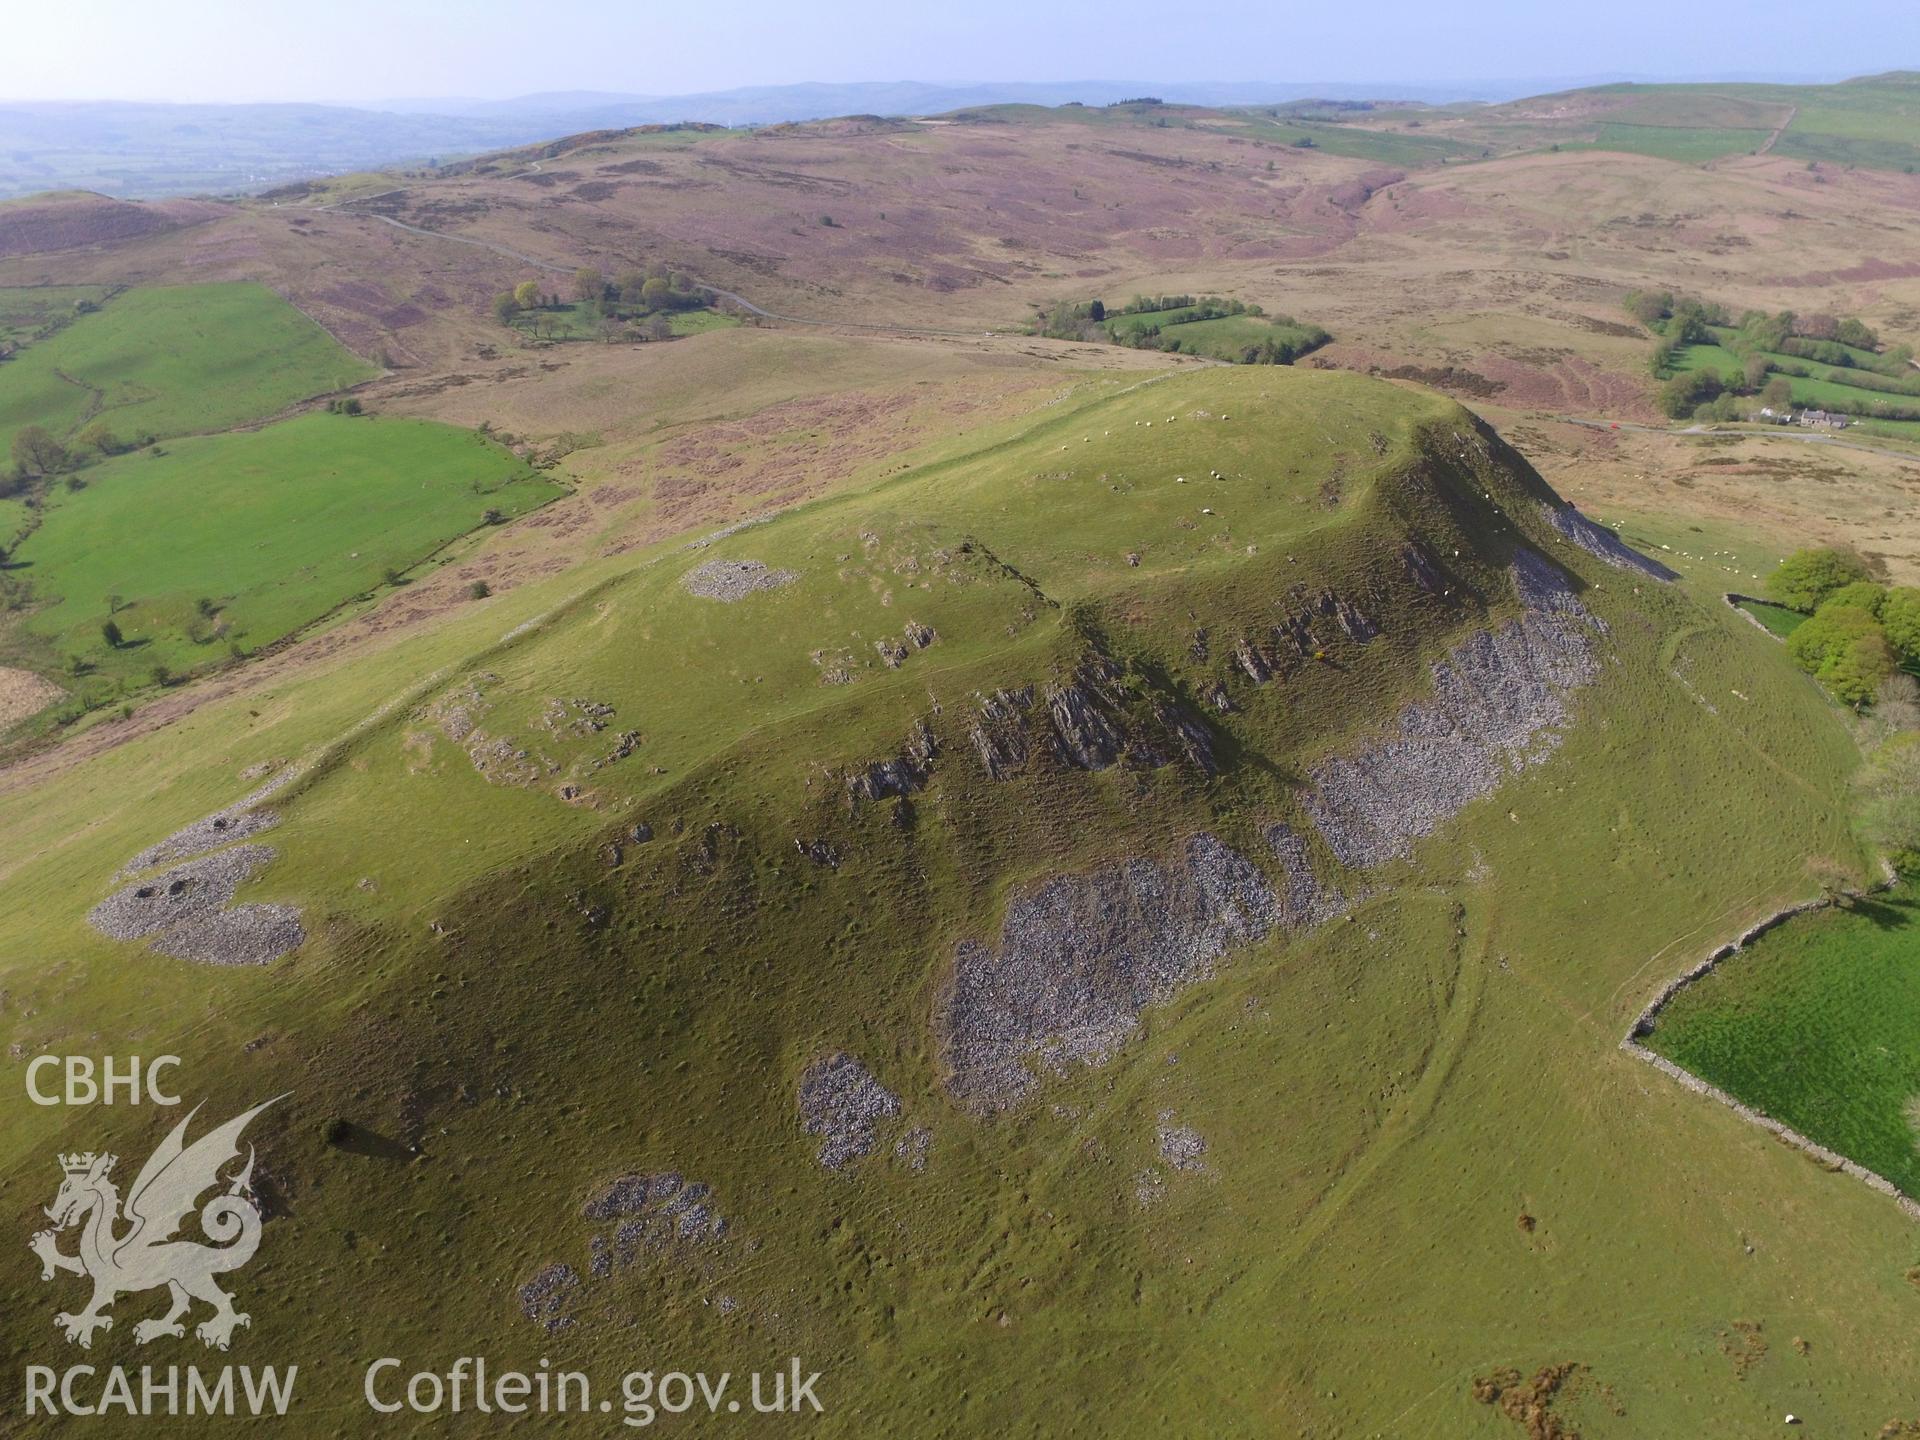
(636, 305)
(1091, 320)
(1889, 786)
(1213, 306)
(38, 455)
(1858, 634)
(1767, 346)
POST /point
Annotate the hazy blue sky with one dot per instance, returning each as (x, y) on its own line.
(365, 49)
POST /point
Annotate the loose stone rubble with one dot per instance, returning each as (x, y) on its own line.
(238, 821)
(731, 580)
(1081, 956)
(187, 908)
(842, 1102)
(911, 1148)
(1498, 704)
(661, 1215)
(547, 1297)
(1599, 541)
(654, 1211)
(1181, 1146)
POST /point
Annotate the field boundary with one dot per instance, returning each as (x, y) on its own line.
(1737, 603)
(1643, 1024)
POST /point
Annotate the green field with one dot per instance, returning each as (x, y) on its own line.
(577, 320)
(1817, 1024)
(1778, 619)
(26, 310)
(1222, 337)
(275, 526)
(1687, 144)
(174, 360)
(1827, 391)
(1871, 121)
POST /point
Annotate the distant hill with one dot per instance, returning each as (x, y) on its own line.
(145, 150)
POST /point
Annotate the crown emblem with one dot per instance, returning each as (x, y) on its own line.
(80, 1164)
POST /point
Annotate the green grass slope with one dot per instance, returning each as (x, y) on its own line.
(274, 527)
(1871, 121)
(1426, 1157)
(174, 359)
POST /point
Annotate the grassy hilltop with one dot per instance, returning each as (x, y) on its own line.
(595, 874)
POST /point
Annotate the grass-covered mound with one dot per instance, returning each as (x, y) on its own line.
(235, 540)
(172, 360)
(600, 881)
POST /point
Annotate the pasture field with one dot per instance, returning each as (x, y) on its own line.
(1817, 1024)
(26, 310)
(1870, 121)
(1826, 390)
(1687, 144)
(1217, 337)
(273, 527)
(577, 320)
(172, 360)
(1778, 619)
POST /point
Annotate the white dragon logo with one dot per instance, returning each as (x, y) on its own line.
(146, 1255)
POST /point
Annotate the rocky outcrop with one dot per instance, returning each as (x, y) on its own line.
(999, 731)
(1087, 730)
(901, 774)
(1302, 635)
(1089, 721)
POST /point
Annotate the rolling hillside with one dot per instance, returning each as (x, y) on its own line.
(1132, 911)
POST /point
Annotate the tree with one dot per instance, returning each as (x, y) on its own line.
(1753, 370)
(1846, 650)
(1890, 801)
(630, 282)
(1690, 388)
(1859, 595)
(1900, 618)
(588, 283)
(1649, 307)
(1807, 577)
(110, 632)
(505, 307)
(659, 327)
(1852, 332)
(1897, 703)
(1777, 393)
(1097, 312)
(99, 439)
(36, 452)
(656, 292)
(527, 294)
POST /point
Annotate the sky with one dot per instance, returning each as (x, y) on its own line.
(355, 51)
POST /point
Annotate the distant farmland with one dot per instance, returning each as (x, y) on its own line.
(171, 360)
